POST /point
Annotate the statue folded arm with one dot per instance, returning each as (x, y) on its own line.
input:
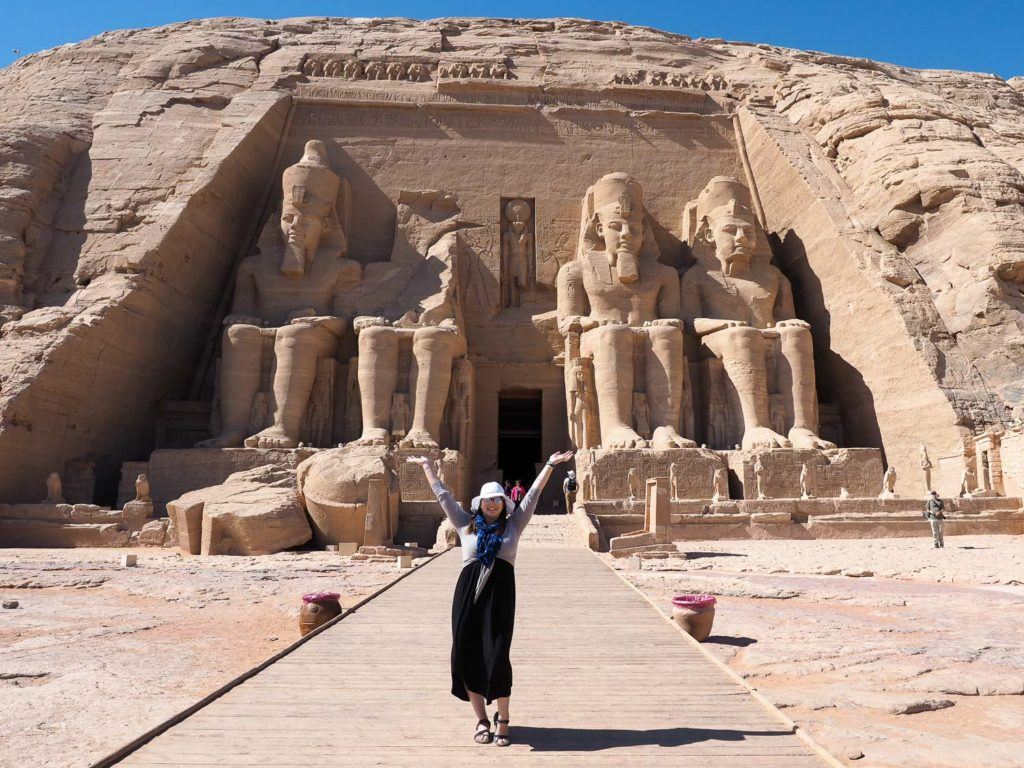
(670, 304)
(693, 308)
(245, 303)
(784, 310)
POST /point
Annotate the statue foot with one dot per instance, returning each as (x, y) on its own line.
(271, 437)
(223, 440)
(373, 437)
(762, 437)
(804, 438)
(624, 437)
(418, 438)
(667, 437)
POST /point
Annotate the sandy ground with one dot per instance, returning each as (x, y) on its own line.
(889, 652)
(96, 654)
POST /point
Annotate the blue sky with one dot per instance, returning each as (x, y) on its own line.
(982, 35)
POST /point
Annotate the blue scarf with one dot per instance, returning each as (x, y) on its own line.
(488, 540)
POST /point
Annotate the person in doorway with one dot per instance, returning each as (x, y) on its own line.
(518, 492)
(484, 604)
(933, 513)
(569, 488)
(508, 488)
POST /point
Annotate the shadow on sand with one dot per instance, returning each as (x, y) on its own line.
(595, 739)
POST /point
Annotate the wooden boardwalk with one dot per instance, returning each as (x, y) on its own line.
(600, 680)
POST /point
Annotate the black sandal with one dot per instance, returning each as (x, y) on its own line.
(483, 731)
(501, 740)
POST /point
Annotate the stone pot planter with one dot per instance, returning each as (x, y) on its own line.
(695, 614)
(317, 609)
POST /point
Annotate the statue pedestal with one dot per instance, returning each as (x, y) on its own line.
(607, 474)
(858, 470)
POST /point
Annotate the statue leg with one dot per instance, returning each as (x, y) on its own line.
(296, 350)
(611, 346)
(241, 358)
(796, 375)
(742, 352)
(665, 364)
(378, 375)
(433, 349)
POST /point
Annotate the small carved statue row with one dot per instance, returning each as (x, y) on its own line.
(354, 69)
(671, 79)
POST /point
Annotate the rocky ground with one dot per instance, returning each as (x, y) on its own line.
(889, 652)
(96, 654)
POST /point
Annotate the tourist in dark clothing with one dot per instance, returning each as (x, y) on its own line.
(483, 608)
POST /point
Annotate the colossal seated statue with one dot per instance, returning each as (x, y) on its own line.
(735, 299)
(421, 307)
(617, 299)
(290, 291)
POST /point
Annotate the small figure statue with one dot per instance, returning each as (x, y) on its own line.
(633, 478)
(805, 482)
(641, 415)
(721, 485)
(673, 479)
(844, 492)
(578, 420)
(968, 483)
(759, 475)
(458, 415)
(142, 489)
(54, 489)
(260, 415)
(926, 468)
(517, 253)
(399, 414)
(888, 484)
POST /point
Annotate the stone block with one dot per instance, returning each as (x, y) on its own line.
(334, 487)
(174, 472)
(129, 561)
(254, 512)
(404, 561)
(154, 533)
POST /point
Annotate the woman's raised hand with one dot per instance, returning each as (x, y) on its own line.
(560, 458)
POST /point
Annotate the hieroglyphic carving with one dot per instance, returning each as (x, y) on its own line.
(605, 473)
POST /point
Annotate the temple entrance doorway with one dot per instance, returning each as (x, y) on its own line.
(519, 434)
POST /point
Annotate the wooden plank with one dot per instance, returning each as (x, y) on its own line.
(600, 680)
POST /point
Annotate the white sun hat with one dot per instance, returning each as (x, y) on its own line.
(488, 491)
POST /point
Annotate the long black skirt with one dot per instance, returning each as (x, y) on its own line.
(482, 632)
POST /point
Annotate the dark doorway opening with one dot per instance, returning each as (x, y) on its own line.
(519, 438)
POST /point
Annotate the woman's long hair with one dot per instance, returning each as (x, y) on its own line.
(502, 519)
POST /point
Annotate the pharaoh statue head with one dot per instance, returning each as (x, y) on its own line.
(722, 220)
(613, 221)
(309, 208)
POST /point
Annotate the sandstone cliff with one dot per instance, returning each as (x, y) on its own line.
(136, 167)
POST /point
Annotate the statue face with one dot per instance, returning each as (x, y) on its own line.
(733, 234)
(623, 236)
(301, 231)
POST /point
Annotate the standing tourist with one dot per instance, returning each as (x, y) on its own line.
(518, 492)
(484, 605)
(569, 488)
(933, 514)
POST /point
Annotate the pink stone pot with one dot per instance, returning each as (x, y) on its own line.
(695, 614)
(317, 609)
